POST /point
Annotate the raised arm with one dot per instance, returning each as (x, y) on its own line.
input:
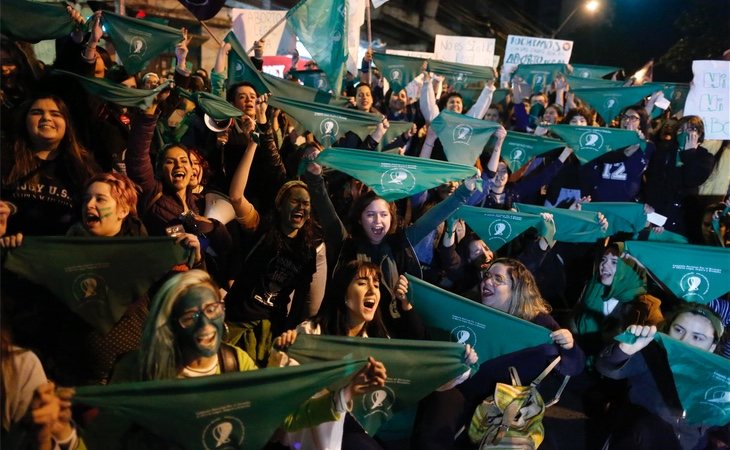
(429, 107)
(246, 214)
(479, 108)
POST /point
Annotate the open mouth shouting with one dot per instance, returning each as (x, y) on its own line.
(207, 339)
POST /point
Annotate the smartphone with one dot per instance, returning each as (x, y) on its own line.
(175, 230)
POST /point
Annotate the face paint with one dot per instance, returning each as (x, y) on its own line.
(106, 212)
(202, 315)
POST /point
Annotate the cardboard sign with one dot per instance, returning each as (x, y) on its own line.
(250, 25)
(709, 97)
(533, 50)
(476, 51)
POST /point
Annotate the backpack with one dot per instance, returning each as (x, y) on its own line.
(512, 417)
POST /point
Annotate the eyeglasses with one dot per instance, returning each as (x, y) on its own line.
(630, 118)
(497, 279)
(212, 311)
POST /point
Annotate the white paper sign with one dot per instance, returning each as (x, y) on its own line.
(379, 3)
(251, 24)
(709, 97)
(411, 53)
(476, 51)
(534, 50)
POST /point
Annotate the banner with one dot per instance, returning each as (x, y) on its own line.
(415, 369)
(709, 97)
(205, 9)
(591, 83)
(476, 51)
(695, 273)
(240, 67)
(463, 137)
(539, 76)
(533, 50)
(410, 53)
(321, 26)
(570, 225)
(137, 42)
(702, 380)
(96, 278)
(355, 20)
(490, 332)
(608, 102)
(212, 105)
(460, 76)
(589, 143)
(312, 78)
(676, 93)
(624, 217)
(519, 148)
(393, 176)
(230, 411)
(399, 70)
(591, 71)
(496, 227)
(250, 25)
(33, 22)
(115, 92)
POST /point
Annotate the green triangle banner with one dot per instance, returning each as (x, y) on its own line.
(463, 137)
(233, 411)
(28, 21)
(497, 227)
(666, 236)
(608, 102)
(321, 26)
(702, 380)
(393, 176)
(519, 148)
(139, 41)
(460, 76)
(591, 71)
(589, 143)
(287, 89)
(396, 128)
(625, 217)
(399, 70)
(312, 78)
(676, 93)
(695, 273)
(96, 278)
(492, 333)
(327, 122)
(570, 225)
(240, 67)
(539, 76)
(115, 92)
(214, 106)
(591, 83)
(415, 369)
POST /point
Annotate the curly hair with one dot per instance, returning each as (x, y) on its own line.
(526, 302)
(160, 356)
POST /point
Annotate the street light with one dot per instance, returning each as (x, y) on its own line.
(591, 6)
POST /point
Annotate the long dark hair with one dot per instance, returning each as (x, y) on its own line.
(333, 313)
(359, 206)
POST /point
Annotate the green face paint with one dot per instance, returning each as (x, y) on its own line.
(106, 212)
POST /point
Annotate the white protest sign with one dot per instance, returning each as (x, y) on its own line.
(533, 50)
(411, 53)
(251, 24)
(709, 97)
(379, 3)
(476, 51)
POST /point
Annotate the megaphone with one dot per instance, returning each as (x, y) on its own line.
(218, 206)
(217, 125)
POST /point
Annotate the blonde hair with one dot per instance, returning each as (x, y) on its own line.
(526, 301)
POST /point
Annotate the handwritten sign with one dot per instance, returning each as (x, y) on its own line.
(250, 25)
(476, 51)
(709, 97)
(534, 50)
(411, 53)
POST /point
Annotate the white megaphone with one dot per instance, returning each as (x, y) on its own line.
(217, 125)
(218, 206)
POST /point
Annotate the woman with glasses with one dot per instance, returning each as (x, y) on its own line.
(675, 173)
(616, 176)
(509, 287)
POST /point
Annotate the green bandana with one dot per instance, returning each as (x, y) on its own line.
(591, 71)
(519, 148)
(463, 137)
(328, 123)
(28, 21)
(321, 26)
(609, 102)
(312, 78)
(666, 236)
(393, 176)
(399, 70)
(459, 75)
(700, 377)
(214, 106)
(415, 369)
(539, 76)
(229, 411)
(115, 92)
(591, 83)
(240, 67)
(497, 227)
(490, 332)
(395, 129)
(591, 142)
(288, 89)
(96, 278)
(676, 93)
(622, 216)
(695, 273)
(570, 225)
(139, 41)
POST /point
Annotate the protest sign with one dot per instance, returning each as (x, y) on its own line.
(709, 97)
(533, 50)
(411, 53)
(250, 25)
(476, 51)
